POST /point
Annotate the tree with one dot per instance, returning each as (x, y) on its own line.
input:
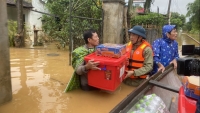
(147, 5)
(194, 13)
(177, 19)
(187, 26)
(58, 24)
(130, 7)
(19, 39)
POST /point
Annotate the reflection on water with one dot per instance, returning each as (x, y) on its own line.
(38, 82)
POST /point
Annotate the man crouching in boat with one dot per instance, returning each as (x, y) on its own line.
(140, 55)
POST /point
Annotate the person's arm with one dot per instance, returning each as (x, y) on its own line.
(156, 58)
(176, 55)
(156, 51)
(176, 52)
(81, 69)
(78, 63)
(148, 63)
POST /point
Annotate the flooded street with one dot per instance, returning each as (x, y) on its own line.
(39, 77)
(185, 40)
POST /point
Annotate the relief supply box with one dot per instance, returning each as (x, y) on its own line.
(191, 86)
(111, 74)
(111, 50)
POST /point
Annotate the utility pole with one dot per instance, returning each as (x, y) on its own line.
(19, 39)
(5, 76)
(168, 12)
(130, 6)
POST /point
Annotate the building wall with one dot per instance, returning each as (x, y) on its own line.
(31, 17)
(138, 4)
(34, 18)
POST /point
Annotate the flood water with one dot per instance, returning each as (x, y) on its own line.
(185, 40)
(38, 82)
(39, 77)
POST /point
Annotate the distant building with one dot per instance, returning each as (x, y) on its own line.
(30, 16)
(139, 4)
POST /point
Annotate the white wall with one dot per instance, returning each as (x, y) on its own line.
(31, 17)
(34, 18)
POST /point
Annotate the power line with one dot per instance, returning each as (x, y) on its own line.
(176, 3)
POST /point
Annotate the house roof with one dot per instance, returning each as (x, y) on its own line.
(13, 3)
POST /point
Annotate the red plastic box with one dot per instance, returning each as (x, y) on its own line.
(111, 74)
(185, 104)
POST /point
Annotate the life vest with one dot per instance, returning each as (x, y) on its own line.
(136, 60)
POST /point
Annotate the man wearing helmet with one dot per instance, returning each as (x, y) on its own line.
(140, 57)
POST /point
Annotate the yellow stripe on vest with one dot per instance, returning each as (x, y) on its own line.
(142, 46)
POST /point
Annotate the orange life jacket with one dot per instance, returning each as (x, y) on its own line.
(136, 60)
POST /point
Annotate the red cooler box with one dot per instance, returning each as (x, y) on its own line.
(111, 74)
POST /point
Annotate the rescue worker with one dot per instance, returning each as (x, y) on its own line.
(140, 57)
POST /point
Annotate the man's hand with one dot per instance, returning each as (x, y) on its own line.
(129, 73)
(127, 61)
(174, 62)
(161, 67)
(92, 65)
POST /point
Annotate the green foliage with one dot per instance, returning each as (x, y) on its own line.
(12, 31)
(187, 26)
(194, 14)
(58, 25)
(150, 18)
(158, 19)
(177, 19)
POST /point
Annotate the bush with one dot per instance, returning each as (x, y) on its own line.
(12, 31)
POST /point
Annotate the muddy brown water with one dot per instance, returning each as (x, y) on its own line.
(39, 77)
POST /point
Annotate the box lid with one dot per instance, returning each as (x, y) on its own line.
(110, 45)
(106, 60)
(195, 80)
